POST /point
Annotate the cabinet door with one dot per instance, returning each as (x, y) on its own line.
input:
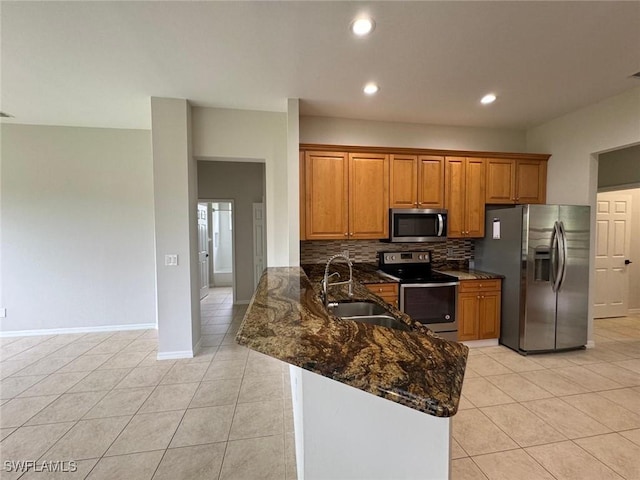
(403, 180)
(501, 177)
(474, 201)
(489, 313)
(431, 181)
(455, 195)
(468, 316)
(531, 181)
(326, 191)
(368, 196)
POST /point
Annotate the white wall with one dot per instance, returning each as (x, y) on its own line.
(574, 141)
(260, 136)
(175, 208)
(341, 131)
(77, 228)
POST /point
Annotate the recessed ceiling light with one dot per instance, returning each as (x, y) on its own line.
(371, 88)
(362, 26)
(488, 98)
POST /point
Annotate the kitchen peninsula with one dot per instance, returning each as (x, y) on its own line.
(395, 422)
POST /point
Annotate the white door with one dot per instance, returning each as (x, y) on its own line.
(203, 249)
(613, 236)
(259, 253)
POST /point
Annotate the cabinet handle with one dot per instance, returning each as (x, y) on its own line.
(346, 234)
(351, 234)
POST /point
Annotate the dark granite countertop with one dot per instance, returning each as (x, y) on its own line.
(287, 320)
(470, 274)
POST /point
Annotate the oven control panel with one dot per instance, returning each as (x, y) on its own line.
(392, 258)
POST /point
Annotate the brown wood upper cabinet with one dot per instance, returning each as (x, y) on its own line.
(346, 195)
(464, 196)
(416, 181)
(512, 181)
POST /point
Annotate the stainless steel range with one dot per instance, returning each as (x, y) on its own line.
(426, 296)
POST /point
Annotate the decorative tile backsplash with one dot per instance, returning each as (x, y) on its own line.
(452, 251)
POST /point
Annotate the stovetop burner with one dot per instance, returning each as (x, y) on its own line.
(411, 267)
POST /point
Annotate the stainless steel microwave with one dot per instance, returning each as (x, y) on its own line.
(417, 225)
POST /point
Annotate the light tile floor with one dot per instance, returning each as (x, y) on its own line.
(573, 415)
(104, 401)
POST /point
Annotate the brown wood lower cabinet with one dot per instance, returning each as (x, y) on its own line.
(387, 291)
(479, 309)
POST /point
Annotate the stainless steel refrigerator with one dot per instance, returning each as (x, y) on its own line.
(543, 253)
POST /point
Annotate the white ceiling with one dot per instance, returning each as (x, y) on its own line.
(97, 63)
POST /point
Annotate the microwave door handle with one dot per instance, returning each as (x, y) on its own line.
(440, 225)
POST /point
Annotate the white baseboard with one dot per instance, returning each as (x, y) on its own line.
(62, 331)
(491, 342)
(633, 311)
(178, 354)
(175, 355)
(590, 344)
(241, 302)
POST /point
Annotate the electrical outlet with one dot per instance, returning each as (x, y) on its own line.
(171, 260)
(3, 313)
(449, 251)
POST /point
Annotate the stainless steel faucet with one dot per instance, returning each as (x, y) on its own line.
(325, 280)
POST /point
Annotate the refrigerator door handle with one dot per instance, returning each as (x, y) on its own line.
(563, 254)
(440, 225)
(555, 257)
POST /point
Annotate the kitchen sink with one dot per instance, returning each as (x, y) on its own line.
(366, 312)
(356, 309)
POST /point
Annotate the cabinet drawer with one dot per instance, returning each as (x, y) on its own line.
(383, 289)
(479, 285)
(386, 291)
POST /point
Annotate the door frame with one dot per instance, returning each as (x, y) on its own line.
(233, 237)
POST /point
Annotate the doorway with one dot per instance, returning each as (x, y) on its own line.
(220, 246)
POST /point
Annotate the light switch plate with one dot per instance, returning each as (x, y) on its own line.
(3, 313)
(171, 260)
